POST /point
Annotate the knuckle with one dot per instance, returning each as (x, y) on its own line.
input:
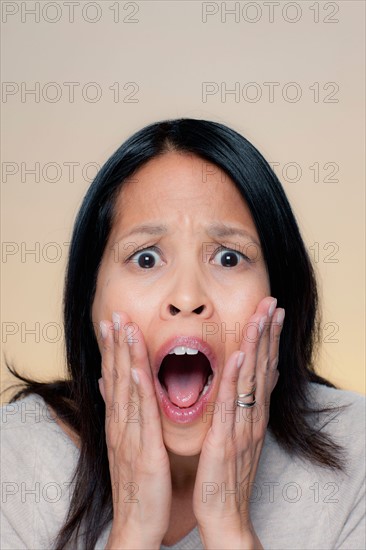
(259, 436)
(233, 380)
(107, 348)
(111, 438)
(274, 364)
(252, 379)
(106, 369)
(265, 365)
(111, 441)
(118, 338)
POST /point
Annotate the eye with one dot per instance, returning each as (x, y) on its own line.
(229, 257)
(144, 258)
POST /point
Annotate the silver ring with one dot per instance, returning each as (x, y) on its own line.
(247, 394)
(245, 405)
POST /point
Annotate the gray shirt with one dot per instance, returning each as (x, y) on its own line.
(294, 503)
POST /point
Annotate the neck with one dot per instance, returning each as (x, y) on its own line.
(183, 471)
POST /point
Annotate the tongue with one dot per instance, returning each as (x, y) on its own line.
(183, 381)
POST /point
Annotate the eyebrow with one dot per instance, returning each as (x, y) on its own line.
(221, 230)
(149, 229)
(218, 230)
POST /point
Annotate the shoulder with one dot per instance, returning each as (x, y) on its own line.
(343, 414)
(344, 422)
(338, 417)
(28, 425)
(32, 439)
(326, 505)
(38, 461)
(324, 393)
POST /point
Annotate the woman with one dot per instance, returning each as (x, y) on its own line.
(192, 416)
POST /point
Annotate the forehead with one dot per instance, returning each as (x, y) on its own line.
(180, 181)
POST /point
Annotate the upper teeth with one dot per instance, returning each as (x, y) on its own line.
(181, 350)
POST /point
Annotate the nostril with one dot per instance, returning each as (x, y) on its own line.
(173, 310)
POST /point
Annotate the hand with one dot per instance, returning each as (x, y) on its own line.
(138, 462)
(232, 447)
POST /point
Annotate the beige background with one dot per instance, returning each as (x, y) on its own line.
(167, 51)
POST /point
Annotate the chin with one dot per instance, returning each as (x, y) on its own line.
(186, 443)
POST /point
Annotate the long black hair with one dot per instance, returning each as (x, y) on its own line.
(77, 400)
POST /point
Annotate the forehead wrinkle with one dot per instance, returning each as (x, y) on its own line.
(141, 200)
(215, 229)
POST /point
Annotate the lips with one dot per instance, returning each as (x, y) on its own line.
(171, 410)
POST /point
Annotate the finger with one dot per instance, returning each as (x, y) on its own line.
(265, 305)
(275, 332)
(252, 387)
(224, 418)
(124, 391)
(139, 358)
(247, 377)
(101, 388)
(149, 416)
(264, 341)
(107, 355)
(276, 329)
(263, 353)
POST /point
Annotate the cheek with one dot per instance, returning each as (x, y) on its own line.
(108, 298)
(114, 295)
(242, 301)
(234, 311)
(106, 301)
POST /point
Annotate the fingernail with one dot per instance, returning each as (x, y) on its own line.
(116, 320)
(272, 307)
(280, 316)
(103, 329)
(240, 359)
(135, 376)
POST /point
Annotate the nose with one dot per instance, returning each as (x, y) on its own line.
(187, 294)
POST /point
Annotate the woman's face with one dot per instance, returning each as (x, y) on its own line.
(183, 284)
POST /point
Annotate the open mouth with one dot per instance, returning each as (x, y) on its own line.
(185, 377)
